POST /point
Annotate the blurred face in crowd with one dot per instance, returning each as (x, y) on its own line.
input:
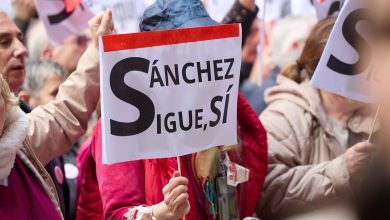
(45, 94)
(12, 53)
(340, 107)
(249, 51)
(68, 53)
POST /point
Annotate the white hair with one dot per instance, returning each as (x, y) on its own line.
(287, 31)
(37, 40)
(37, 73)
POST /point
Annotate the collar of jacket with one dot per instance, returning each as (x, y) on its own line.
(11, 140)
(308, 98)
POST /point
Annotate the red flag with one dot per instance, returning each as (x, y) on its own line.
(70, 5)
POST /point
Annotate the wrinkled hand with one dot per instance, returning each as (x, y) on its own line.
(176, 203)
(100, 25)
(358, 156)
(24, 9)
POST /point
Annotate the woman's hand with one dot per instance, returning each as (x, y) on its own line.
(100, 25)
(176, 203)
(357, 157)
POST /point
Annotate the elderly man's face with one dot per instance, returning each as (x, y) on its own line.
(12, 53)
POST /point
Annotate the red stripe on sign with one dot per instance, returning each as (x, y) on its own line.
(168, 37)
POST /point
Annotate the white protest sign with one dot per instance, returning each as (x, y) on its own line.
(169, 93)
(126, 13)
(59, 23)
(342, 70)
(326, 8)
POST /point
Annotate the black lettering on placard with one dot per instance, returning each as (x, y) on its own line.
(185, 77)
(215, 110)
(62, 15)
(155, 76)
(226, 104)
(206, 70)
(168, 75)
(134, 97)
(198, 118)
(170, 126)
(231, 62)
(353, 37)
(181, 121)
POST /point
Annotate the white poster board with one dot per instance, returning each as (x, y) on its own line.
(326, 8)
(169, 93)
(59, 23)
(342, 70)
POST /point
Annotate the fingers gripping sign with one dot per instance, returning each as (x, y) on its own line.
(176, 203)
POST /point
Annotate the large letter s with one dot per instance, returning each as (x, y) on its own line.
(353, 37)
(134, 97)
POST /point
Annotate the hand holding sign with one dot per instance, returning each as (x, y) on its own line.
(175, 204)
(101, 25)
(358, 156)
(169, 93)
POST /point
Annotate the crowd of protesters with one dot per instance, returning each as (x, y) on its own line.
(305, 148)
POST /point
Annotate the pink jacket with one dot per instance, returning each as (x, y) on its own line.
(108, 191)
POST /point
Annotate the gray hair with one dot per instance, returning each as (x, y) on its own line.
(37, 73)
(37, 40)
(288, 30)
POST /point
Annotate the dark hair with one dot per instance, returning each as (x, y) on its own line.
(311, 53)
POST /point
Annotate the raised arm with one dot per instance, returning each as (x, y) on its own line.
(55, 127)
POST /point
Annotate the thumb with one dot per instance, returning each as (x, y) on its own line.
(365, 147)
(176, 174)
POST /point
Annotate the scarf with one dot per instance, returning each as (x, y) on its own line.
(11, 140)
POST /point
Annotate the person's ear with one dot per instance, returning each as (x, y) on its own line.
(24, 96)
(47, 53)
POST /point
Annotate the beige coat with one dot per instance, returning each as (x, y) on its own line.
(55, 127)
(306, 162)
